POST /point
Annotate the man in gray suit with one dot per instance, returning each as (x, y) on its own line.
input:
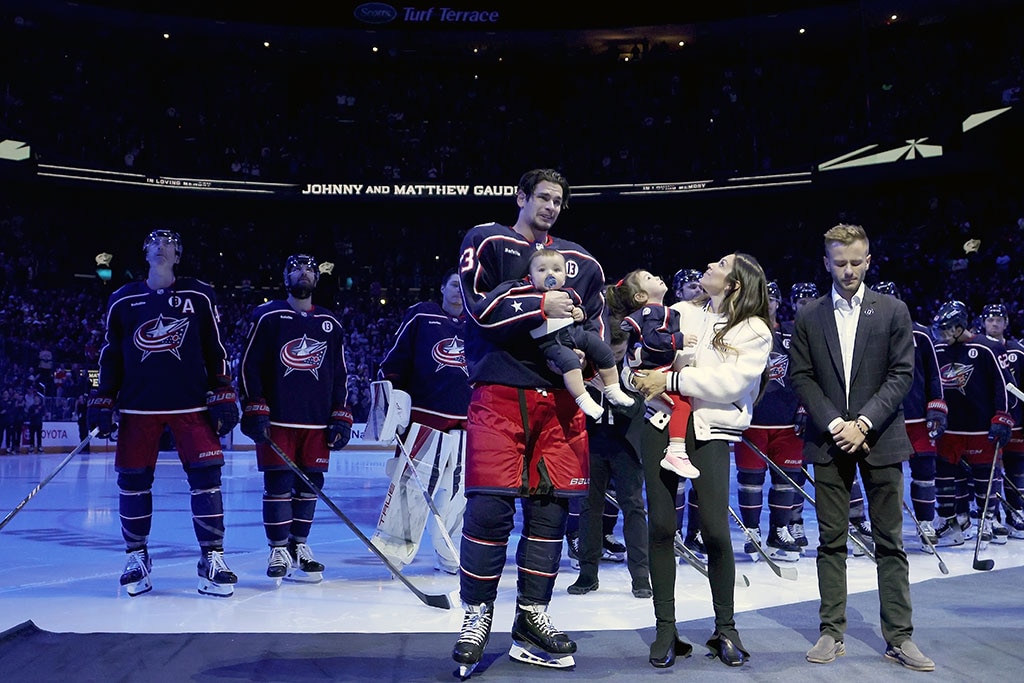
(852, 363)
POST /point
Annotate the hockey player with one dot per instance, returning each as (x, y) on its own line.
(772, 432)
(979, 422)
(996, 320)
(924, 411)
(428, 363)
(526, 436)
(294, 393)
(686, 286)
(163, 365)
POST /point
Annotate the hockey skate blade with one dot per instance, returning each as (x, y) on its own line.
(217, 590)
(299, 576)
(531, 654)
(466, 670)
(138, 588)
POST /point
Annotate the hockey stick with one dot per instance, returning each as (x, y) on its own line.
(439, 601)
(925, 539)
(987, 564)
(788, 573)
(78, 449)
(430, 501)
(855, 537)
(853, 533)
(691, 558)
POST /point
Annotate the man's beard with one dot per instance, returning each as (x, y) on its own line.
(301, 290)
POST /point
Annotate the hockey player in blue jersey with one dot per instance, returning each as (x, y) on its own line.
(426, 369)
(293, 382)
(996, 319)
(772, 432)
(978, 424)
(924, 411)
(163, 365)
(527, 437)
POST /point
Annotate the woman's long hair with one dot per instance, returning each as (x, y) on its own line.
(747, 298)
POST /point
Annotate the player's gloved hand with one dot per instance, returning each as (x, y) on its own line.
(935, 417)
(999, 430)
(800, 421)
(222, 406)
(100, 414)
(340, 429)
(256, 420)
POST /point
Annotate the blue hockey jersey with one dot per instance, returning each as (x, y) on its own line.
(162, 351)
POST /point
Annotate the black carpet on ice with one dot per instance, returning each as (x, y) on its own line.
(972, 626)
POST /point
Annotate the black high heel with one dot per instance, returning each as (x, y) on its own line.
(729, 652)
(666, 647)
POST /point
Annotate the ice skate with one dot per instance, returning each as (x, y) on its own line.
(678, 461)
(137, 568)
(214, 576)
(750, 547)
(280, 562)
(473, 637)
(861, 528)
(572, 542)
(304, 568)
(612, 550)
(949, 533)
(536, 641)
(781, 545)
(796, 530)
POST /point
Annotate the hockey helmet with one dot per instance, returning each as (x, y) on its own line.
(951, 314)
(803, 290)
(297, 260)
(163, 236)
(682, 277)
(995, 311)
(774, 292)
(887, 287)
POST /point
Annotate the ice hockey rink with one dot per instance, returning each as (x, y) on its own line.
(64, 617)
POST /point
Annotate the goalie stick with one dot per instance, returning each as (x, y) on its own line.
(787, 573)
(854, 536)
(440, 601)
(78, 449)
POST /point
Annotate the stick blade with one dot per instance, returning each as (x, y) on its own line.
(984, 565)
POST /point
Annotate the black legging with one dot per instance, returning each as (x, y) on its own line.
(712, 486)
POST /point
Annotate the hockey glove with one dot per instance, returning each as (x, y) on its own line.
(340, 429)
(999, 431)
(100, 415)
(222, 408)
(256, 420)
(935, 418)
(800, 421)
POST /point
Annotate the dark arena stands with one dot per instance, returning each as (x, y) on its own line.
(375, 141)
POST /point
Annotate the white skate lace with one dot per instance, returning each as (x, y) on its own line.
(136, 564)
(474, 628)
(542, 622)
(215, 564)
(279, 557)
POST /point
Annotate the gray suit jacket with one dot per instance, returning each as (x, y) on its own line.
(882, 372)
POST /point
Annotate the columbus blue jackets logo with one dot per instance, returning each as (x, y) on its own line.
(160, 335)
(303, 354)
(450, 353)
(778, 366)
(956, 376)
